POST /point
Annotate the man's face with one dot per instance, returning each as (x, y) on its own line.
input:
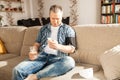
(55, 18)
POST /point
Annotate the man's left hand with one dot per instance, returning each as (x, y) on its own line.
(53, 44)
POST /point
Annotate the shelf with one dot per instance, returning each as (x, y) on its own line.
(13, 11)
(12, 1)
(117, 13)
(8, 7)
(11, 7)
(107, 14)
(110, 11)
(117, 3)
(107, 4)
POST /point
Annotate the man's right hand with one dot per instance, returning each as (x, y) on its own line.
(33, 56)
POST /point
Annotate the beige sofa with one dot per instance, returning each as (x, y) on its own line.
(93, 40)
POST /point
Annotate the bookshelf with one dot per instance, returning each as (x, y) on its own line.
(11, 6)
(110, 11)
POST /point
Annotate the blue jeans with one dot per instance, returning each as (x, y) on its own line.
(45, 65)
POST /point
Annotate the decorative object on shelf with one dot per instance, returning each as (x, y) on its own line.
(73, 12)
(20, 8)
(40, 10)
(1, 7)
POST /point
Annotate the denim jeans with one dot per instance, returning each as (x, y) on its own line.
(46, 65)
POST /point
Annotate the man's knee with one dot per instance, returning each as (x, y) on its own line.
(69, 61)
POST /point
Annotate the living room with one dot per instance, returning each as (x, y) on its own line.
(87, 12)
(98, 45)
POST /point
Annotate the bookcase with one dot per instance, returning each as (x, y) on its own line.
(11, 6)
(110, 11)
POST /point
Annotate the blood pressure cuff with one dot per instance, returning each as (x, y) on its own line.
(71, 41)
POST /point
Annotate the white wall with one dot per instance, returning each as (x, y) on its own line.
(88, 10)
(34, 8)
(64, 3)
(26, 12)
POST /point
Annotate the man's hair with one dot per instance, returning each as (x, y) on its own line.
(55, 8)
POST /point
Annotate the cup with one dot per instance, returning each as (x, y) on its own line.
(32, 49)
(33, 53)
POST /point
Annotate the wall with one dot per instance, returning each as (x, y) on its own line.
(64, 3)
(34, 8)
(88, 10)
(26, 12)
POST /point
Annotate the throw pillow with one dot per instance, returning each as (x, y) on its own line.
(110, 63)
(19, 23)
(45, 20)
(2, 48)
(27, 22)
(66, 20)
(35, 22)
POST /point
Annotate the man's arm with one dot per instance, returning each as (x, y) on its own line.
(63, 48)
(36, 45)
(66, 48)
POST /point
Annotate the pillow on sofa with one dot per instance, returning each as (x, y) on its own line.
(29, 22)
(66, 20)
(110, 63)
(2, 47)
(35, 22)
(45, 20)
(26, 22)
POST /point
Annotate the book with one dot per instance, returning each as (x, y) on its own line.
(117, 8)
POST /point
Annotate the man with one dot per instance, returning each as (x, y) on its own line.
(54, 43)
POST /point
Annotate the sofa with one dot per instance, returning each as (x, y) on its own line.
(93, 41)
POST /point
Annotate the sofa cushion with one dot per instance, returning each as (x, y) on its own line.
(6, 67)
(95, 39)
(110, 63)
(13, 38)
(29, 39)
(7, 56)
(2, 47)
